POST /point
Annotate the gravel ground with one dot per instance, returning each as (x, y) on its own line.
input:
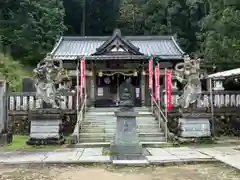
(104, 172)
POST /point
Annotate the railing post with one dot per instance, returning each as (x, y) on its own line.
(212, 108)
(166, 130)
(85, 104)
(78, 126)
(159, 122)
(151, 95)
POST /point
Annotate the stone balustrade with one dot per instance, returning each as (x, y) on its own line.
(221, 99)
(25, 101)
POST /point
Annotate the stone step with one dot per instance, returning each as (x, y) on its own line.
(107, 144)
(99, 118)
(91, 115)
(150, 118)
(104, 134)
(152, 139)
(94, 139)
(113, 130)
(100, 114)
(114, 122)
(113, 109)
(110, 139)
(113, 125)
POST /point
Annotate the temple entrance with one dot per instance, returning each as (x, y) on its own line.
(107, 89)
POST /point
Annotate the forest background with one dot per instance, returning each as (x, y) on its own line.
(29, 28)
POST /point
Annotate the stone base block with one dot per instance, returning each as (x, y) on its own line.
(131, 149)
(128, 157)
(49, 141)
(46, 127)
(194, 127)
(6, 138)
(73, 139)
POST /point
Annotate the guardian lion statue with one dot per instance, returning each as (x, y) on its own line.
(46, 76)
(188, 74)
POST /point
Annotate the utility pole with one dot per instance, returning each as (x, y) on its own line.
(83, 17)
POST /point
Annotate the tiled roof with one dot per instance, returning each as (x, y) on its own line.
(70, 47)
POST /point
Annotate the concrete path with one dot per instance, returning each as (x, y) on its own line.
(95, 155)
(173, 155)
(73, 155)
(228, 155)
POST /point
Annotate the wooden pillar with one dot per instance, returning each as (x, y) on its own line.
(143, 87)
(92, 84)
(147, 95)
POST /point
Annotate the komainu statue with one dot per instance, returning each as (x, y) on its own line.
(188, 73)
(47, 74)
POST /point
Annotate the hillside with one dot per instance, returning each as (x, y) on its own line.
(13, 71)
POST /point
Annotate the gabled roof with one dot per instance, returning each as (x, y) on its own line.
(118, 44)
(164, 47)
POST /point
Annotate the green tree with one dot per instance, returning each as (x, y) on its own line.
(30, 27)
(221, 32)
(101, 16)
(155, 22)
(73, 18)
(131, 17)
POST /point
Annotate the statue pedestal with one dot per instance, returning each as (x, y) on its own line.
(195, 126)
(46, 127)
(126, 142)
(6, 138)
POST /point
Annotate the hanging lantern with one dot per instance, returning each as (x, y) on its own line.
(100, 74)
(107, 80)
(135, 74)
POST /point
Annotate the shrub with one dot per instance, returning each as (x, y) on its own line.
(13, 72)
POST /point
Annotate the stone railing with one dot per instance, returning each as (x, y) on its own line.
(221, 99)
(25, 101)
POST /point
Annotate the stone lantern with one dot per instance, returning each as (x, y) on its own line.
(126, 142)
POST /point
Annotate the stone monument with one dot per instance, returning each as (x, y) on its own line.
(5, 134)
(126, 143)
(46, 121)
(192, 123)
(28, 85)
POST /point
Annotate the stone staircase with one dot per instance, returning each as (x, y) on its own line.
(100, 124)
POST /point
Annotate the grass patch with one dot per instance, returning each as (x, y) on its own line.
(19, 143)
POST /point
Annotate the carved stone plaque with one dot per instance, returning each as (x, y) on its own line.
(126, 140)
(194, 127)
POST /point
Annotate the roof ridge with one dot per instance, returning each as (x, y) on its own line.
(55, 47)
(176, 44)
(76, 38)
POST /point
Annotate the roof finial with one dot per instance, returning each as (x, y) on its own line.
(117, 32)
